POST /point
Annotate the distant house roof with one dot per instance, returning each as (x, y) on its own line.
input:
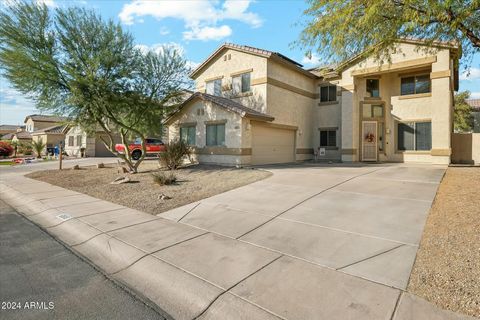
(23, 135)
(5, 127)
(45, 118)
(7, 136)
(255, 51)
(227, 104)
(474, 103)
(57, 129)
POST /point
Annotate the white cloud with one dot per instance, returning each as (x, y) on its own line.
(475, 95)
(474, 74)
(313, 59)
(208, 33)
(200, 17)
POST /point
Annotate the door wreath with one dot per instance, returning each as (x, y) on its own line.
(369, 137)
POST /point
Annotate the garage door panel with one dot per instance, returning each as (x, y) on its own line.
(272, 145)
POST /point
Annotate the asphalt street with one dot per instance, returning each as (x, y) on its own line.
(41, 279)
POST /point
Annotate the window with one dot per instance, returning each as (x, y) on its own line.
(151, 141)
(415, 136)
(79, 141)
(214, 87)
(372, 111)
(241, 83)
(216, 134)
(373, 88)
(415, 84)
(187, 134)
(328, 138)
(328, 93)
(70, 141)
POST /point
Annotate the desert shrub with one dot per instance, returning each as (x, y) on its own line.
(163, 178)
(174, 154)
(6, 149)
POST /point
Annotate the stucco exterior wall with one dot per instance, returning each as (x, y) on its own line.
(435, 107)
(232, 62)
(231, 153)
(37, 125)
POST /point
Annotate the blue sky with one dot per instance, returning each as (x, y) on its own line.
(198, 28)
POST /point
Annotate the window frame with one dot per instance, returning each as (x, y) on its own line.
(188, 128)
(77, 138)
(329, 90)
(213, 82)
(71, 141)
(328, 132)
(216, 125)
(414, 142)
(377, 89)
(243, 89)
(415, 83)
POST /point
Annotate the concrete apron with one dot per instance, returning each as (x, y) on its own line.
(204, 267)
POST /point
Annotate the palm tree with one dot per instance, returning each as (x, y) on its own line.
(38, 146)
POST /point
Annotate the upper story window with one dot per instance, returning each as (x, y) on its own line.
(214, 87)
(415, 84)
(373, 88)
(328, 93)
(241, 83)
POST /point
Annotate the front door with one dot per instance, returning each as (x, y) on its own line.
(369, 141)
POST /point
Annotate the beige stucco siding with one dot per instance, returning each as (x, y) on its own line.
(231, 62)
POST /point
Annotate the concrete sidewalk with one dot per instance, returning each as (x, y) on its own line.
(320, 242)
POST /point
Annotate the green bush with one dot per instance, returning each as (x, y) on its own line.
(175, 152)
(162, 178)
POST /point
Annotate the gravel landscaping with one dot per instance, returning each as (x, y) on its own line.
(447, 268)
(193, 183)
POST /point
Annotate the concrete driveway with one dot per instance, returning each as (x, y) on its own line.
(311, 242)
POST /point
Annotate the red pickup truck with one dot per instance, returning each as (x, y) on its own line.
(154, 146)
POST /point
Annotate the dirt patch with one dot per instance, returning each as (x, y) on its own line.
(193, 183)
(447, 268)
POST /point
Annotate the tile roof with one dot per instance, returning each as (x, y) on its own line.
(23, 135)
(52, 129)
(228, 104)
(46, 118)
(10, 127)
(255, 51)
(7, 136)
(474, 103)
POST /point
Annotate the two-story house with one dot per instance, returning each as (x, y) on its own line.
(254, 106)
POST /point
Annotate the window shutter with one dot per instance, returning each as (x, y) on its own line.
(423, 136)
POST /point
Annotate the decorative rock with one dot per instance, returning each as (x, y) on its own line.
(164, 197)
(100, 165)
(76, 167)
(121, 180)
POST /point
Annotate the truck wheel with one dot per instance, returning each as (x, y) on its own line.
(136, 154)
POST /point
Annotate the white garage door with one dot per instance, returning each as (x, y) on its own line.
(272, 145)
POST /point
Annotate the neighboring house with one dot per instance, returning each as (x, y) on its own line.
(7, 128)
(51, 136)
(36, 122)
(77, 139)
(475, 104)
(254, 106)
(21, 136)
